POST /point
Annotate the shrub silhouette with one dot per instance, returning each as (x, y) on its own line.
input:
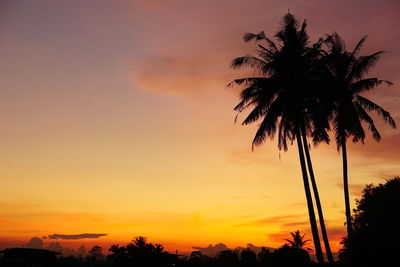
(286, 256)
(248, 258)
(376, 230)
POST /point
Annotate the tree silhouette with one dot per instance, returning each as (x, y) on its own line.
(283, 99)
(198, 259)
(298, 241)
(346, 76)
(264, 256)
(141, 253)
(248, 258)
(227, 258)
(95, 254)
(376, 232)
(118, 255)
(287, 256)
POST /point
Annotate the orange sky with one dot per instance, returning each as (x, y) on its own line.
(115, 119)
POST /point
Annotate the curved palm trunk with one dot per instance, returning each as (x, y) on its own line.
(346, 192)
(307, 189)
(317, 199)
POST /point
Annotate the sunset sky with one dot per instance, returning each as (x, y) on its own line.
(115, 119)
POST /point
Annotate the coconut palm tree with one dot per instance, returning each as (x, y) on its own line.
(321, 105)
(346, 77)
(298, 241)
(316, 196)
(280, 95)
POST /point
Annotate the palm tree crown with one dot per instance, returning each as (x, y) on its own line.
(281, 95)
(298, 241)
(347, 72)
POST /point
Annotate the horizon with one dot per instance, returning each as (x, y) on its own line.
(116, 120)
(71, 246)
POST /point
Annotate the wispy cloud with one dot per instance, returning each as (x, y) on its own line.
(355, 189)
(78, 236)
(282, 221)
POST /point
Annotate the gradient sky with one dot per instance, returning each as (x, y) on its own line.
(115, 119)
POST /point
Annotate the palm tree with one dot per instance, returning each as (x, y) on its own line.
(280, 95)
(346, 76)
(321, 107)
(298, 241)
(316, 196)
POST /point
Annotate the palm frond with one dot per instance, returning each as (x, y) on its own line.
(247, 37)
(282, 143)
(337, 45)
(246, 81)
(268, 125)
(271, 44)
(367, 84)
(357, 49)
(362, 65)
(243, 104)
(265, 53)
(248, 61)
(255, 114)
(371, 126)
(371, 106)
(303, 36)
(289, 21)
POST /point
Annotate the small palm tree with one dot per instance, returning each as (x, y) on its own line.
(346, 77)
(281, 95)
(298, 241)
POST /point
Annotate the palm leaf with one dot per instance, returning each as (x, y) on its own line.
(371, 106)
(357, 49)
(371, 126)
(247, 37)
(248, 61)
(362, 65)
(367, 84)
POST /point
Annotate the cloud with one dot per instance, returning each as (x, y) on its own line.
(279, 219)
(293, 225)
(177, 74)
(78, 236)
(35, 242)
(355, 189)
(212, 250)
(278, 237)
(283, 221)
(386, 150)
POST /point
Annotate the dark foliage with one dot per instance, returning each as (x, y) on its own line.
(248, 258)
(376, 227)
(290, 256)
(140, 253)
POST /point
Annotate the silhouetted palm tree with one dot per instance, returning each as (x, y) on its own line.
(347, 72)
(298, 241)
(317, 198)
(320, 118)
(282, 96)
